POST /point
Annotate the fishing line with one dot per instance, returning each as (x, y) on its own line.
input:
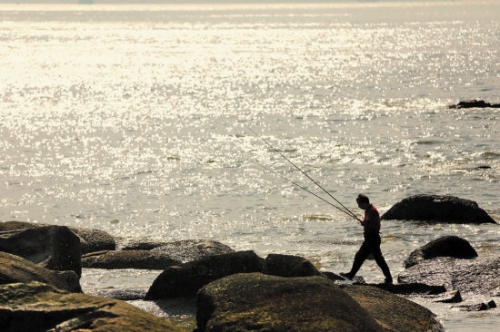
(304, 188)
(345, 209)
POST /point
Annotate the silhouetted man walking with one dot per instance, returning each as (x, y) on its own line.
(371, 244)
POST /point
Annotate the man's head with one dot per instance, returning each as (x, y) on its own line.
(363, 201)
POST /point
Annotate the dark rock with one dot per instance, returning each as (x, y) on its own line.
(259, 302)
(474, 103)
(128, 259)
(54, 247)
(411, 289)
(476, 306)
(186, 279)
(453, 296)
(93, 240)
(38, 307)
(289, 266)
(435, 208)
(468, 276)
(15, 269)
(450, 246)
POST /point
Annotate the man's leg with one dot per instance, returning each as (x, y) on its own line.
(379, 258)
(384, 267)
(359, 258)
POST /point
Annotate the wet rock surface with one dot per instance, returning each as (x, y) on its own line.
(468, 276)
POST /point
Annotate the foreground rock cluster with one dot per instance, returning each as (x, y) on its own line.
(40, 267)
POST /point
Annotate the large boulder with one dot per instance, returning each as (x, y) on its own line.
(54, 247)
(15, 269)
(90, 239)
(38, 307)
(128, 259)
(436, 208)
(467, 276)
(259, 302)
(186, 279)
(450, 246)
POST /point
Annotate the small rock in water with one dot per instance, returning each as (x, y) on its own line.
(450, 297)
(478, 306)
(473, 103)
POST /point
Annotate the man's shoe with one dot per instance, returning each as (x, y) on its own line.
(346, 275)
(388, 281)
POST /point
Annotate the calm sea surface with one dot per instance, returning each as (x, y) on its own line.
(138, 120)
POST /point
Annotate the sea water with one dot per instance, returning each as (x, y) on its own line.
(157, 120)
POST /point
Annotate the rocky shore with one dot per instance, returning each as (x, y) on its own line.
(41, 266)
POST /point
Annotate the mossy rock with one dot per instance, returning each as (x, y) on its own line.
(259, 302)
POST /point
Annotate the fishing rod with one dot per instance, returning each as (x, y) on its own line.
(346, 210)
(304, 188)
